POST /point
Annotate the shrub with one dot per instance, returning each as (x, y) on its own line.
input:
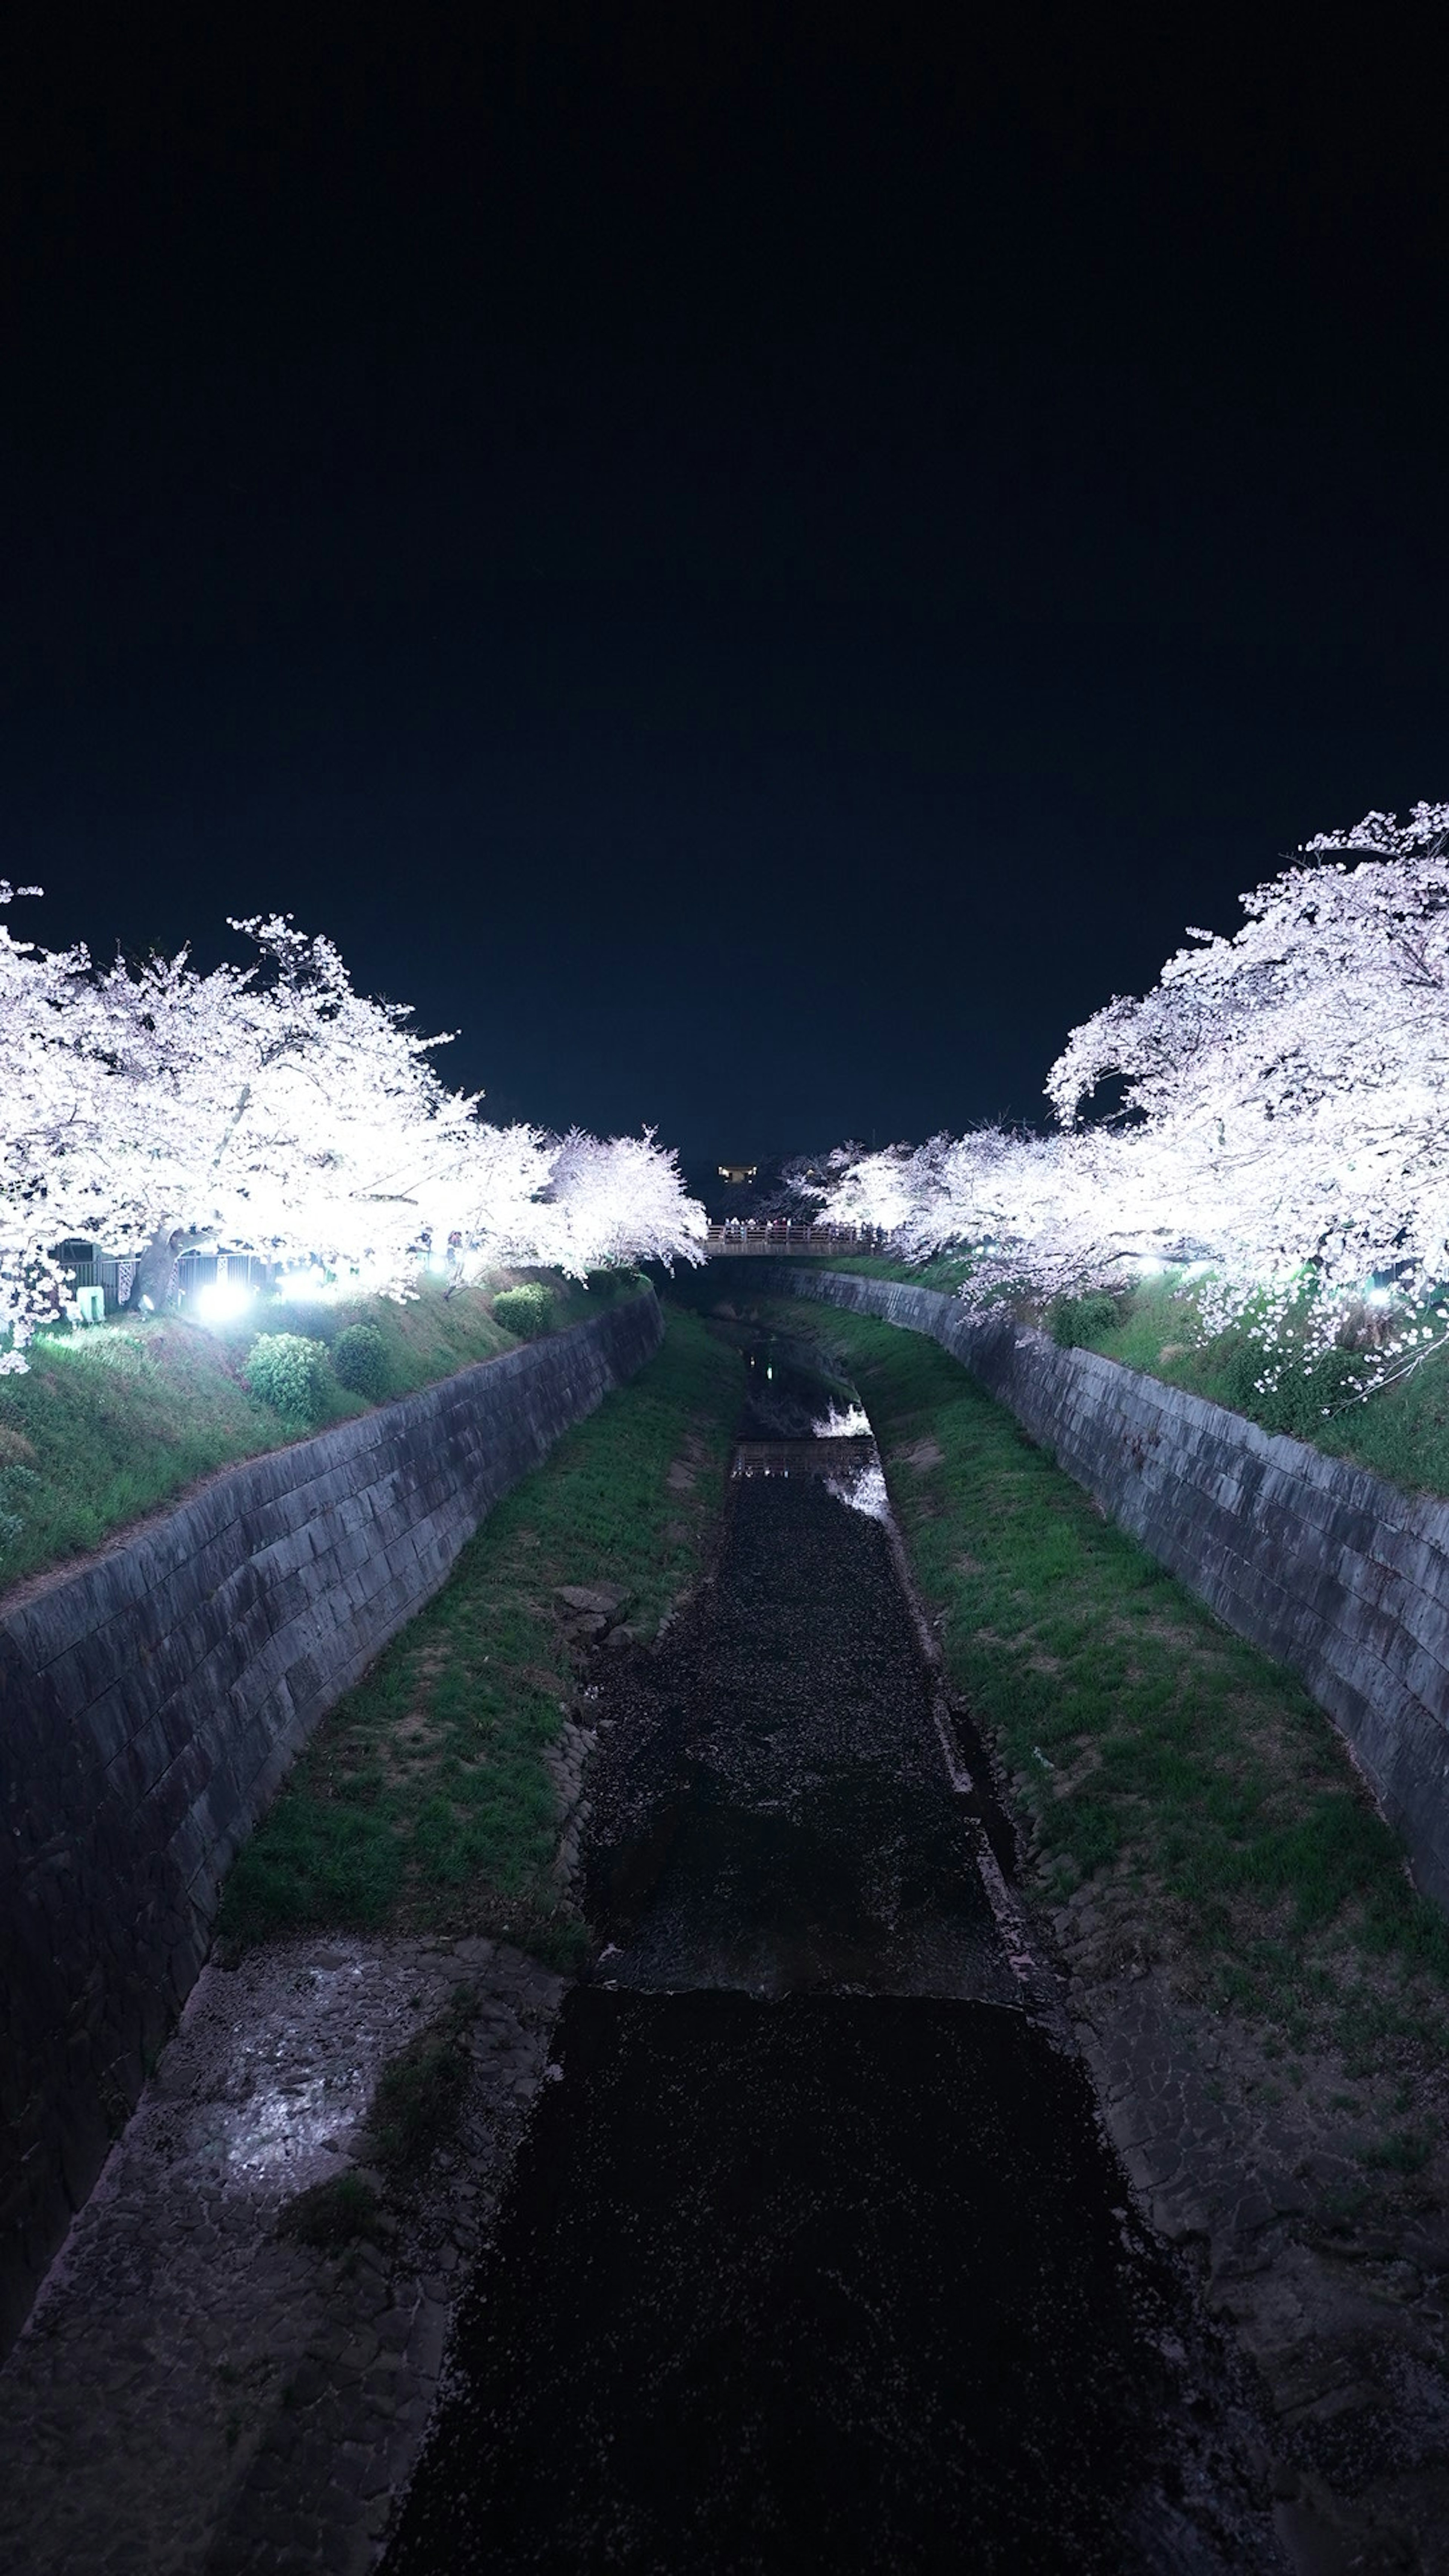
(1079, 1319)
(619, 1281)
(526, 1311)
(1299, 1400)
(290, 1373)
(359, 1361)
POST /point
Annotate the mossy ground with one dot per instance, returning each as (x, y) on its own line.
(424, 1800)
(112, 1422)
(1144, 1743)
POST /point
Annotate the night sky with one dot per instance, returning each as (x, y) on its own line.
(759, 563)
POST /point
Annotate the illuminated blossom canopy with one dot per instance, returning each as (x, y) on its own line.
(613, 1200)
(1279, 1111)
(272, 1109)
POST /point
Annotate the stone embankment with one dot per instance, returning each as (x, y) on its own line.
(198, 2393)
(152, 1700)
(1330, 1569)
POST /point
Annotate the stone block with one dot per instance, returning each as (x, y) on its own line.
(1424, 1617)
(54, 1620)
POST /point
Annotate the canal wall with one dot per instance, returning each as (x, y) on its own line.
(1331, 1569)
(152, 1699)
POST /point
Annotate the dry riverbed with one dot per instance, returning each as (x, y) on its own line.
(1258, 1995)
(202, 2388)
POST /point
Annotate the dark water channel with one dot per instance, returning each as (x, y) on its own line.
(814, 2256)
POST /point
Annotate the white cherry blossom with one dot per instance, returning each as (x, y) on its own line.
(1279, 1112)
(270, 1108)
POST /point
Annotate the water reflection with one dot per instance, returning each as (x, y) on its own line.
(865, 1491)
(843, 1422)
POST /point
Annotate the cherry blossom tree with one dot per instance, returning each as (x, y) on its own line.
(614, 1201)
(38, 1112)
(1285, 1090)
(1045, 1212)
(1281, 1113)
(273, 1109)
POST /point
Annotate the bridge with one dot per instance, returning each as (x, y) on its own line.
(740, 1238)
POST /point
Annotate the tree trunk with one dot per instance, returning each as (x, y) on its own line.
(155, 1278)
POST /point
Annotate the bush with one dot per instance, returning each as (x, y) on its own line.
(1302, 1396)
(1079, 1319)
(621, 1281)
(290, 1373)
(359, 1361)
(526, 1311)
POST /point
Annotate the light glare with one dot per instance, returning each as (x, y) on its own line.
(223, 1301)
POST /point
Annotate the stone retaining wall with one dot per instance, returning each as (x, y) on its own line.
(1334, 1571)
(151, 1701)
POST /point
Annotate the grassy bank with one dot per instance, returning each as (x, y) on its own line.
(945, 1272)
(1402, 1432)
(425, 1800)
(112, 1422)
(1147, 1747)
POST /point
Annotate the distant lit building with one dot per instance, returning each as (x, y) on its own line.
(734, 1173)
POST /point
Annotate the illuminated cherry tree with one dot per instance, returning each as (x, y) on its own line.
(615, 1200)
(1280, 1114)
(1044, 1212)
(1285, 1090)
(37, 1102)
(270, 1108)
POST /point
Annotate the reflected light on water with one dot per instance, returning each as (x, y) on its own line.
(864, 1492)
(850, 1423)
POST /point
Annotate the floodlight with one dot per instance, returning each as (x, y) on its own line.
(223, 1301)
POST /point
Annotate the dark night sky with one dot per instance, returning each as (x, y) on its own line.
(759, 563)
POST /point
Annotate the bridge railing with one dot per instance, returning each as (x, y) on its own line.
(741, 1235)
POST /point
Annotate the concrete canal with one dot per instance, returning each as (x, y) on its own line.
(815, 2255)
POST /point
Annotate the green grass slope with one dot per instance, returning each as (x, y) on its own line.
(113, 1422)
(425, 1800)
(1144, 1742)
